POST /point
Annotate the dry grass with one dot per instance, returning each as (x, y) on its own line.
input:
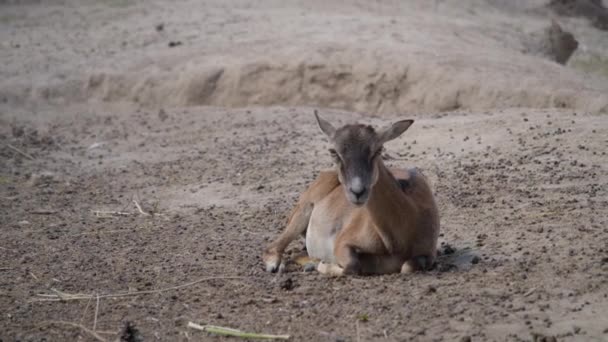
(593, 64)
(59, 296)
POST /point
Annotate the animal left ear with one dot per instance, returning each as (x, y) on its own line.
(394, 131)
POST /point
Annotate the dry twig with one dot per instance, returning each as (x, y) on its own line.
(62, 296)
(20, 152)
(96, 313)
(85, 311)
(139, 209)
(44, 212)
(79, 326)
(99, 232)
(234, 332)
(105, 214)
(530, 292)
(102, 213)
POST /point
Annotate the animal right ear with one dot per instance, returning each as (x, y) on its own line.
(394, 130)
(325, 126)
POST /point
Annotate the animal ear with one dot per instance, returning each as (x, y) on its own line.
(325, 126)
(394, 131)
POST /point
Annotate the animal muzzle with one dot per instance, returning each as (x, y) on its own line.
(357, 192)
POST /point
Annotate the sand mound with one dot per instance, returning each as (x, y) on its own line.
(381, 59)
(375, 85)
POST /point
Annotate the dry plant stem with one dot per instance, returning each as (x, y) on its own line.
(234, 332)
(139, 209)
(96, 313)
(44, 212)
(85, 310)
(105, 332)
(98, 232)
(101, 213)
(79, 326)
(357, 330)
(60, 296)
(20, 152)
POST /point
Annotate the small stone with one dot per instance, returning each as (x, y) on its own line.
(421, 332)
(180, 321)
(287, 284)
(448, 249)
(309, 267)
(162, 115)
(130, 333)
(446, 267)
(17, 131)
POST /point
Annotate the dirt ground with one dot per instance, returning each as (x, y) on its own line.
(99, 113)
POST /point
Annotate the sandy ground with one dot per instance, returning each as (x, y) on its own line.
(214, 138)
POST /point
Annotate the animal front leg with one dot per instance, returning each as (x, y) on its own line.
(298, 222)
(363, 254)
(347, 257)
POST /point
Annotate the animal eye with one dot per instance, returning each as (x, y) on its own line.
(334, 155)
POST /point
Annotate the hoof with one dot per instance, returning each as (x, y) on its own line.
(417, 263)
(330, 269)
(407, 268)
(272, 263)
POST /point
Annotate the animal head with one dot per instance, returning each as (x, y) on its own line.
(357, 153)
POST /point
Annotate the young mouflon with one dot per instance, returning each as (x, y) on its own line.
(362, 217)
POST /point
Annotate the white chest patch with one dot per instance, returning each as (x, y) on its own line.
(320, 237)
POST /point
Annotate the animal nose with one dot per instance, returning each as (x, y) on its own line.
(358, 192)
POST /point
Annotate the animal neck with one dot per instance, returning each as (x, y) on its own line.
(390, 209)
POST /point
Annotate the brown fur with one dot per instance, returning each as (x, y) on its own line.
(395, 229)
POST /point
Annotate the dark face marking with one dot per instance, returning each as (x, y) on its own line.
(355, 153)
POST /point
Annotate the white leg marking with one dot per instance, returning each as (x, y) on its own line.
(272, 263)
